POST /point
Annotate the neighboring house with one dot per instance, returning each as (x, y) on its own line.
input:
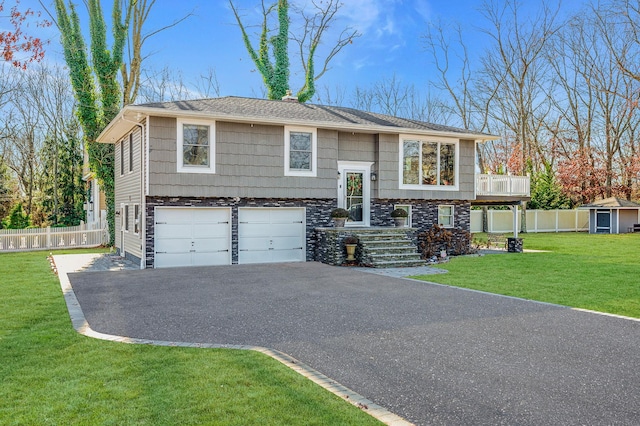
(612, 216)
(95, 205)
(238, 180)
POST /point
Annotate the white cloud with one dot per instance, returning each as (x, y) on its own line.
(424, 9)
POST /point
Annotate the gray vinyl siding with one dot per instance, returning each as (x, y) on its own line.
(356, 147)
(388, 173)
(128, 191)
(249, 163)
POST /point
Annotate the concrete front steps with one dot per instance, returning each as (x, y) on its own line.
(388, 248)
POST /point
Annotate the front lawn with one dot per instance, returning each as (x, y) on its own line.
(52, 375)
(597, 272)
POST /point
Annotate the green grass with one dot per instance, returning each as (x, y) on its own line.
(52, 375)
(597, 272)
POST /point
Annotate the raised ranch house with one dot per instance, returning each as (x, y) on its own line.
(238, 180)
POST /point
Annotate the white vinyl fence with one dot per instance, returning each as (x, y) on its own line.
(85, 235)
(501, 221)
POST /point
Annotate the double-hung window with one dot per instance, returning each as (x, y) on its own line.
(300, 151)
(445, 216)
(122, 157)
(126, 217)
(130, 152)
(428, 164)
(196, 146)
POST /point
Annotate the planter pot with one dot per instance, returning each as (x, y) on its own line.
(351, 251)
(400, 221)
(338, 222)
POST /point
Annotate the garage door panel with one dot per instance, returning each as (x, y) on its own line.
(254, 243)
(214, 258)
(271, 235)
(190, 236)
(173, 245)
(217, 230)
(285, 230)
(170, 215)
(211, 244)
(284, 243)
(173, 230)
(255, 230)
(170, 260)
(287, 216)
(287, 255)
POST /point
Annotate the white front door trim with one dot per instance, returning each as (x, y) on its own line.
(363, 167)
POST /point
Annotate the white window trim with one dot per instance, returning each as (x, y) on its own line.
(130, 143)
(122, 157)
(314, 151)
(181, 168)
(421, 139)
(127, 223)
(136, 219)
(408, 221)
(453, 215)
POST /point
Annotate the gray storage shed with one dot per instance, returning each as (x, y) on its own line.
(612, 216)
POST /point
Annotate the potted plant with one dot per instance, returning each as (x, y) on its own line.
(399, 217)
(339, 217)
(351, 242)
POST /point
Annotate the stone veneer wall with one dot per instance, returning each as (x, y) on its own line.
(318, 215)
(330, 248)
(424, 213)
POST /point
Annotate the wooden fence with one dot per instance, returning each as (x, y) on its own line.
(501, 221)
(85, 235)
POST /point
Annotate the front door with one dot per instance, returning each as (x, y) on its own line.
(603, 222)
(354, 192)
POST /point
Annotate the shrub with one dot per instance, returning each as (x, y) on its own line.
(455, 241)
(339, 213)
(399, 213)
(351, 239)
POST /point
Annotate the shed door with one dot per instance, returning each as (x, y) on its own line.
(268, 235)
(192, 236)
(603, 222)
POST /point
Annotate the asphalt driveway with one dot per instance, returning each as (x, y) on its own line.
(430, 353)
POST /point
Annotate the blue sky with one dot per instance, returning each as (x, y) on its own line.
(391, 42)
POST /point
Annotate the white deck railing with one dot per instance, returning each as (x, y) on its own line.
(503, 185)
(89, 235)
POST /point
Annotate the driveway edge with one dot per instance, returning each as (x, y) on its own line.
(62, 264)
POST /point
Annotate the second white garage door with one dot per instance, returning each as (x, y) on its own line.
(271, 235)
(192, 236)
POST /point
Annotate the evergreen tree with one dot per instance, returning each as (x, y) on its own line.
(546, 192)
(17, 218)
(62, 181)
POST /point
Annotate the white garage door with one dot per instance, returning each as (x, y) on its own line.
(271, 235)
(192, 236)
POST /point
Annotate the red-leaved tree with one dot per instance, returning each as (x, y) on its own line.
(18, 47)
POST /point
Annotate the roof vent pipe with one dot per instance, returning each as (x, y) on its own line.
(289, 97)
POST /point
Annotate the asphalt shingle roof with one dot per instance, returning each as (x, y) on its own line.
(291, 110)
(613, 202)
